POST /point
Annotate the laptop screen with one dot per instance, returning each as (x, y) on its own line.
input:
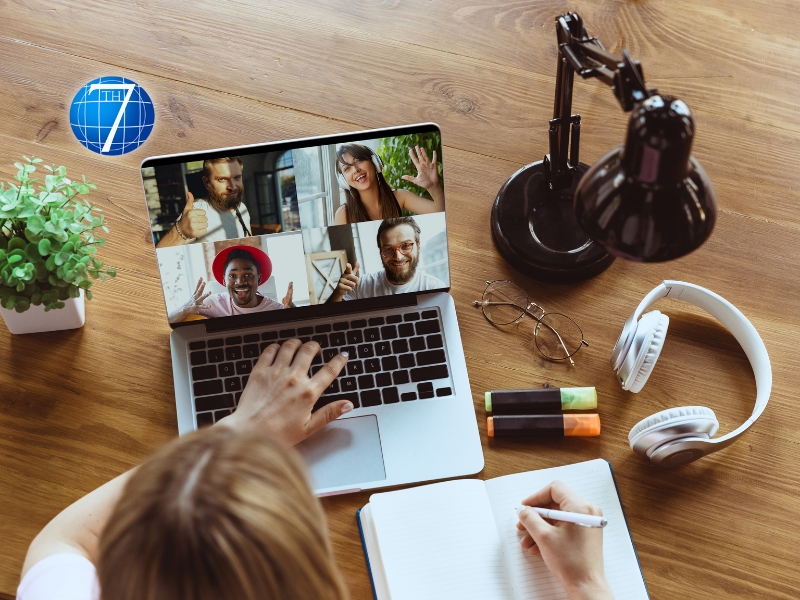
(301, 223)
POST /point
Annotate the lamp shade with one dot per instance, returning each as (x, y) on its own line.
(649, 200)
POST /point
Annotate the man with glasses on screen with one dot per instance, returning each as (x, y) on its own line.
(221, 215)
(398, 243)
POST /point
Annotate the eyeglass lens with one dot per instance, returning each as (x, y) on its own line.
(557, 336)
(405, 248)
(504, 302)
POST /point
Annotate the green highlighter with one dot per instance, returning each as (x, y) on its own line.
(539, 401)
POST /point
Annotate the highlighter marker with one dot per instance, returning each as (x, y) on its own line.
(543, 425)
(541, 400)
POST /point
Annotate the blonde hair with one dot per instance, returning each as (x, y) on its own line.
(218, 514)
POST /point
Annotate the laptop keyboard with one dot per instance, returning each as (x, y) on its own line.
(393, 359)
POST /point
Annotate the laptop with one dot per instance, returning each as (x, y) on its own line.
(319, 271)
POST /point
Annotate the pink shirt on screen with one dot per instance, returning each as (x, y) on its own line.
(221, 305)
(60, 577)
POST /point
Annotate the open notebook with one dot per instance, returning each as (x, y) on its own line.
(458, 539)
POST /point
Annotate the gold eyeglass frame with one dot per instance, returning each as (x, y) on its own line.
(530, 309)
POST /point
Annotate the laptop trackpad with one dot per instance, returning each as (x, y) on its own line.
(344, 452)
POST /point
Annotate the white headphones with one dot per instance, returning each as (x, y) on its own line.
(678, 436)
(376, 160)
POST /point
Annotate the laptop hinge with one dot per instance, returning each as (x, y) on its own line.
(304, 313)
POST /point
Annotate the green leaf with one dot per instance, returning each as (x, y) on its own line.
(44, 246)
(32, 253)
(36, 223)
(16, 244)
(111, 272)
(41, 270)
(32, 237)
(14, 259)
(88, 295)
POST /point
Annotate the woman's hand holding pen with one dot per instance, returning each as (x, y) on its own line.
(574, 554)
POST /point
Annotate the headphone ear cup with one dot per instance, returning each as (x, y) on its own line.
(342, 181)
(654, 326)
(672, 424)
(376, 160)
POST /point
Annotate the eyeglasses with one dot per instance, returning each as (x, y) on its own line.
(557, 336)
(389, 251)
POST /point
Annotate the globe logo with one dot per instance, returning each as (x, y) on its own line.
(111, 115)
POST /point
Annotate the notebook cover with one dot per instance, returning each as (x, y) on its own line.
(636, 554)
(366, 554)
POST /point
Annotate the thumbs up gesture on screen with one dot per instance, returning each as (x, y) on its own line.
(193, 222)
(347, 282)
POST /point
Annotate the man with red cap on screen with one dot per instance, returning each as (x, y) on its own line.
(241, 269)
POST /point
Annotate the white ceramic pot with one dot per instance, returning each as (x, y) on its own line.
(36, 320)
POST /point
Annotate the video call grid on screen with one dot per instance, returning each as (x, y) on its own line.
(284, 200)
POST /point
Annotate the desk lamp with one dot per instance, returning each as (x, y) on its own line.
(560, 220)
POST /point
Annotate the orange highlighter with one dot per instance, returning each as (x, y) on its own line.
(543, 425)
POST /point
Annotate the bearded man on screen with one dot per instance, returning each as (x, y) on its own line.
(221, 215)
(399, 247)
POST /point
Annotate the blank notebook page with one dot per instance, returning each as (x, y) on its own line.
(591, 480)
(439, 541)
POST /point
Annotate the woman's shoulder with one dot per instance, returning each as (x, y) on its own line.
(401, 195)
(340, 216)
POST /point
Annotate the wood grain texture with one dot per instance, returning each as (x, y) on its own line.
(81, 407)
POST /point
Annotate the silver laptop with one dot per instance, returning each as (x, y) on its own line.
(249, 254)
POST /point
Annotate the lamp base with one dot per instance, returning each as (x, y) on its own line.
(535, 230)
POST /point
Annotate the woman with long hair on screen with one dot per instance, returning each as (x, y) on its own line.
(369, 196)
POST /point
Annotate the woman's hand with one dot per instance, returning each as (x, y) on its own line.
(574, 554)
(427, 177)
(279, 394)
(194, 305)
(427, 170)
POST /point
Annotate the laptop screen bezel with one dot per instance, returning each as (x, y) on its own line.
(301, 312)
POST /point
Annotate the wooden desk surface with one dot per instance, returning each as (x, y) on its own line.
(80, 407)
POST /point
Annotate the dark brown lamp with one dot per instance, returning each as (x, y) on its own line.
(648, 200)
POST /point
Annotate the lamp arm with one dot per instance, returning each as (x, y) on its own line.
(579, 53)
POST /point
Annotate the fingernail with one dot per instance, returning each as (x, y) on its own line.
(345, 354)
(347, 407)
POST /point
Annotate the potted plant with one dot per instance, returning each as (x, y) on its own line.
(48, 249)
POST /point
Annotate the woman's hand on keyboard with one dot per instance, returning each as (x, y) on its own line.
(279, 394)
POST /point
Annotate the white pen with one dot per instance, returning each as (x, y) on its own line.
(569, 517)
